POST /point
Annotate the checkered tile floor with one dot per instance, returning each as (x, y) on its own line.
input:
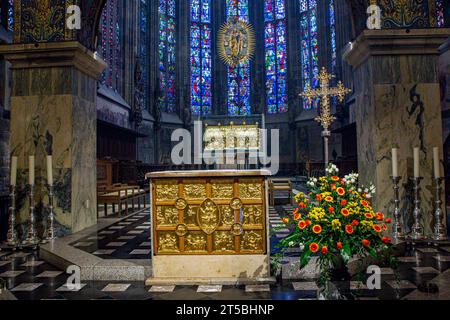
(127, 239)
(28, 278)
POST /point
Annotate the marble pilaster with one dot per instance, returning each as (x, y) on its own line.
(53, 111)
(397, 105)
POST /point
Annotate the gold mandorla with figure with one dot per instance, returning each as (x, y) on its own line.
(236, 42)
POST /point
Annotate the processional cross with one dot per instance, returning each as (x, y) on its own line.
(324, 93)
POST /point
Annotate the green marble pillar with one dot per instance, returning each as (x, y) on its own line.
(398, 105)
(53, 110)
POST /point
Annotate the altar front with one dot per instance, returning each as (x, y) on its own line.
(209, 226)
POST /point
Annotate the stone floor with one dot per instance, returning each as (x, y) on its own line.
(23, 275)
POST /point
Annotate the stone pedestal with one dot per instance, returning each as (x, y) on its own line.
(53, 111)
(397, 105)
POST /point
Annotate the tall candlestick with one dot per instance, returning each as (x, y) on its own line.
(436, 163)
(395, 162)
(50, 170)
(31, 170)
(416, 162)
(13, 171)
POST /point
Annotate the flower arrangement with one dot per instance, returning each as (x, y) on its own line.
(336, 220)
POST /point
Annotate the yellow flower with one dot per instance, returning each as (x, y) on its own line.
(336, 224)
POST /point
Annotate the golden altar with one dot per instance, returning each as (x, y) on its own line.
(209, 226)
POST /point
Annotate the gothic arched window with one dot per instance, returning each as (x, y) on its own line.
(143, 48)
(276, 57)
(201, 61)
(10, 15)
(238, 77)
(332, 31)
(167, 55)
(110, 44)
(309, 47)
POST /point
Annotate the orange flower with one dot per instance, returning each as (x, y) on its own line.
(364, 203)
(386, 240)
(380, 216)
(317, 229)
(297, 216)
(302, 225)
(377, 228)
(333, 187)
(355, 223)
(329, 199)
(345, 212)
(331, 209)
(324, 250)
(286, 220)
(296, 211)
(319, 197)
(369, 216)
(340, 191)
(339, 246)
(349, 229)
(343, 202)
(385, 227)
(302, 205)
(308, 222)
(388, 220)
(335, 178)
(365, 243)
(314, 247)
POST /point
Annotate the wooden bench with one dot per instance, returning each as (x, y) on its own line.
(281, 184)
(120, 194)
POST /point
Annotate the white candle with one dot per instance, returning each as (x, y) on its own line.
(395, 162)
(436, 162)
(416, 162)
(13, 171)
(50, 170)
(31, 170)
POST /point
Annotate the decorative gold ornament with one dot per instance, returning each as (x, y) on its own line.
(236, 42)
(325, 93)
(181, 204)
(236, 204)
(237, 229)
(208, 216)
(181, 230)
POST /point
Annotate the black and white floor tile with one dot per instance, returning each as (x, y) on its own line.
(26, 277)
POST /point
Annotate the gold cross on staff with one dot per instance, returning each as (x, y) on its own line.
(325, 93)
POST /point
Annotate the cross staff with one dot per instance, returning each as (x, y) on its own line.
(324, 93)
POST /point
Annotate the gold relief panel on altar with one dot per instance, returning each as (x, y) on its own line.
(227, 215)
(224, 241)
(208, 216)
(167, 216)
(196, 242)
(252, 215)
(252, 241)
(190, 215)
(168, 242)
(195, 191)
(167, 191)
(222, 190)
(250, 190)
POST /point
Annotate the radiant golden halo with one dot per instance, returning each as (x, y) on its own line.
(236, 44)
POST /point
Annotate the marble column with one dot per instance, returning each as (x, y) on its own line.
(397, 105)
(53, 111)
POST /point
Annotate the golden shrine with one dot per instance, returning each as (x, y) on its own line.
(209, 226)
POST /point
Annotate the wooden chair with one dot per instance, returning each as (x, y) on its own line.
(281, 184)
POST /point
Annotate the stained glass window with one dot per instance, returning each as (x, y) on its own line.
(167, 55)
(110, 44)
(276, 60)
(201, 62)
(238, 77)
(440, 20)
(143, 47)
(332, 19)
(309, 47)
(11, 15)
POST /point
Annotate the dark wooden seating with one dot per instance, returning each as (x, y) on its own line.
(120, 195)
(280, 184)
